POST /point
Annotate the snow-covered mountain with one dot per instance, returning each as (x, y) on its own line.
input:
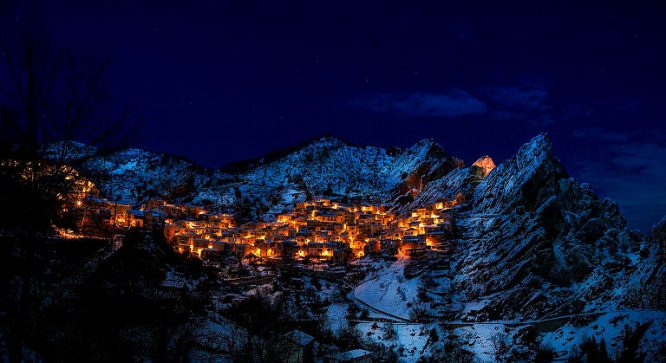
(531, 243)
(534, 244)
(327, 166)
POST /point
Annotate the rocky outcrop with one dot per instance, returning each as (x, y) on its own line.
(530, 235)
(483, 166)
(658, 233)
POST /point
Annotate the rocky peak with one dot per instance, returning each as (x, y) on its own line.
(482, 166)
(529, 225)
(529, 178)
(658, 234)
(659, 230)
(327, 141)
(428, 148)
(537, 149)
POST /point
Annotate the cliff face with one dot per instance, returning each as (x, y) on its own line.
(532, 234)
(533, 243)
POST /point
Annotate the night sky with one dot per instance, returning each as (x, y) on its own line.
(223, 81)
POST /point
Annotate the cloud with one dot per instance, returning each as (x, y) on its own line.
(526, 103)
(526, 98)
(630, 169)
(599, 134)
(455, 103)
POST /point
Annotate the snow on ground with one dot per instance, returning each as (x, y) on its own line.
(412, 337)
(389, 291)
(335, 317)
(175, 279)
(610, 327)
(478, 339)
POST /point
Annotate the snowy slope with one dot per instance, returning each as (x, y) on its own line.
(535, 244)
(537, 247)
(532, 244)
(326, 166)
(531, 236)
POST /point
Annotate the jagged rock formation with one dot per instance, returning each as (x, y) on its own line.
(534, 243)
(653, 289)
(528, 226)
(659, 233)
(483, 166)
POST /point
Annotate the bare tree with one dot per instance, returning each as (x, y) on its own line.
(46, 94)
(56, 95)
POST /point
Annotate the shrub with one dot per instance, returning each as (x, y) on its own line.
(418, 314)
(348, 338)
(590, 351)
(434, 338)
(423, 295)
(389, 332)
(631, 343)
(501, 345)
(544, 354)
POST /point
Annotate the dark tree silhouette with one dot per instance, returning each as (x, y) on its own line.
(47, 94)
(54, 94)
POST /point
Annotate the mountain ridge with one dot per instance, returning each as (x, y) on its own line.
(529, 243)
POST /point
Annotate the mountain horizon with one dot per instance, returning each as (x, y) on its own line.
(311, 182)
(240, 166)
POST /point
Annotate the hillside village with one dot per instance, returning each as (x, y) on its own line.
(454, 257)
(321, 229)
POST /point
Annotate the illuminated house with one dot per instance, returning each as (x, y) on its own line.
(119, 213)
(135, 218)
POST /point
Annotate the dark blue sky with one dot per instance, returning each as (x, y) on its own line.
(223, 81)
